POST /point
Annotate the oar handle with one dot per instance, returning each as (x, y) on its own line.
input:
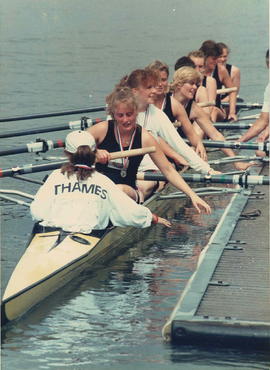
(133, 152)
(206, 104)
(226, 90)
(29, 168)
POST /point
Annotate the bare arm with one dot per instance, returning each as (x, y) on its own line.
(211, 87)
(227, 82)
(202, 97)
(181, 116)
(171, 174)
(169, 152)
(259, 125)
(198, 114)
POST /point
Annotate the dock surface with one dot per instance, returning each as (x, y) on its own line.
(227, 300)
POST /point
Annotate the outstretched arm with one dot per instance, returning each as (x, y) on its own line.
(259, 125)
(172, 175)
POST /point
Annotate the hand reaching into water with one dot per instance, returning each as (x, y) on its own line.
(200, 204)
(159, 220)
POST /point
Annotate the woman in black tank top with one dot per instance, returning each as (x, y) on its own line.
(173, 109)
(121, 171)
(123, 132)
(233, 71)
(212, 52)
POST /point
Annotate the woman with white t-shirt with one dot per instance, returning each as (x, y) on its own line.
(77, 198)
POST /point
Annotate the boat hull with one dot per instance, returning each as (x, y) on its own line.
(47, 265)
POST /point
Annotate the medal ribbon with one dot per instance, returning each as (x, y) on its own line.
(125, 160)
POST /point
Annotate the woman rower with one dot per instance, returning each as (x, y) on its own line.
(174, 110)
(184, 86)
(212, 68)
(233, 71)
(208, 82)
(76, 198)
(123, 132)
(143, 83)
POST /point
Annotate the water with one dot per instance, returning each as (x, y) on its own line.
(58, 55)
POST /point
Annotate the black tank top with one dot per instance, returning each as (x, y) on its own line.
(229, 69)
(111, 145)
(188, 111)
(204, 81)
(168, 107)
(219, 86)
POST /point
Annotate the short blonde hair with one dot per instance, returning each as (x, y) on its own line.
(183, 75)
(159, 66)
(121, 94)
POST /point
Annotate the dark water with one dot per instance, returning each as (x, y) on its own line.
(58, 55)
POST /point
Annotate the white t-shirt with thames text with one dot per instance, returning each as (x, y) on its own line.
(81, 206)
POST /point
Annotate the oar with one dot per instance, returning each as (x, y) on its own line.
(53, 114)
(232, 125)
(41, 146)
(81, 124)
(30, 168)
(245, 105)
(240, 179)
(37, 147)
(264, 146)
(253, 116)
(15, 200)
(226, 90)
(206, 104)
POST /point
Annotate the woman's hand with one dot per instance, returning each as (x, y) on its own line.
(102, 156)
(159, 220)
(164, 222)
(200, 150)
(232, 117)
(214, 172)
(243, 166)
(199, 204)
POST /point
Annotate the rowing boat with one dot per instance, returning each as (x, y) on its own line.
(54, 258)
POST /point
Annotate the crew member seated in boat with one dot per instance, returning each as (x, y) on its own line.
(202, 93)
(164, 100)
(123, 132)
(212, 68)
(184, 86)
(233, 71)
(143, 84)
(261, 125)
(208, 82)
(77, 198)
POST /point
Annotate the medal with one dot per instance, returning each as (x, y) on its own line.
(125, 161)
(123, 173)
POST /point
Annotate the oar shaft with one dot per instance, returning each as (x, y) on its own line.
(242, 179)
(206, 104)
(53, 114)
(245, 105)
(133, 152)
(29, 168)
(72, 125)
(37, 147)
(232, 126)
(226, 90)
(264, 146)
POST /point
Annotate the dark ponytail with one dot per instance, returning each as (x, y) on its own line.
(80, 163)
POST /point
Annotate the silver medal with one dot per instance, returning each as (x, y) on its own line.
(123, 173)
